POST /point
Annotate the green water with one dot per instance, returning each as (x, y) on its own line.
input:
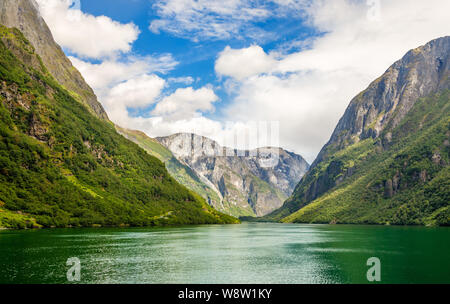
(247, 253)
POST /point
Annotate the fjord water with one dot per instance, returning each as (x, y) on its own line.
(247, 253)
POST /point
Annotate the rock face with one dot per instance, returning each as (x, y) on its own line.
(387, 148)
(389, 98)
(247, 182)
(24, 15)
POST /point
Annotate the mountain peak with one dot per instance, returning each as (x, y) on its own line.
(389, 98)
(250, 182)
(25, 16)
(387, 160)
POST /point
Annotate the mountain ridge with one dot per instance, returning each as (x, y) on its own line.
(239, 176)
(25, 16)
(178, 170)
(369, 133)
(63, 166)
(373, 117)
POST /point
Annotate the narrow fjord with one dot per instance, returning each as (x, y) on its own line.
(179, 207)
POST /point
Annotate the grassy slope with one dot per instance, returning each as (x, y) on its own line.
(423, 193)
(61, 166)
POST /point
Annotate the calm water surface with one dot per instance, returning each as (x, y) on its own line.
(247, 253)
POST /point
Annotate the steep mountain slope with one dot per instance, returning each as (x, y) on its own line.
(24, 15)
(179, 171)
(244, 185)
(62, 166)
(388, 159)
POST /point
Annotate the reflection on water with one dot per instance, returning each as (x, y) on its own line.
(247, 253)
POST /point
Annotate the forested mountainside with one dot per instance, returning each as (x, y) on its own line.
(387, 161)
(241, 185)
(24, 15)
(61, 165)
(178, 170)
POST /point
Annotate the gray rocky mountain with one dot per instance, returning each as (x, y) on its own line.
(387, 160)
(247, 182)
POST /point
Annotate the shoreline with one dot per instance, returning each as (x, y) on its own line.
(215, 225)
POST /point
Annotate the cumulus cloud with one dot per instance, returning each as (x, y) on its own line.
(304, 84)
(110, 72)
(84, 34)
(178, 112)
(124, 81)
(308, 91)
(186, 103)
(136, 92)
(243, 63)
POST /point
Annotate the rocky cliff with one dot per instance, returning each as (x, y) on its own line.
(24, 15)
(247, 183)
(389, 98)
(388, 150)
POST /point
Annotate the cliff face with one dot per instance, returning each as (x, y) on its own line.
(245, 181)
(389, 98)
(24, 15)
(384, 128)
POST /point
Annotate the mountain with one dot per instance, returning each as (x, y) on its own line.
(63, 165)
(243, 185)
(178, 170)
(387, 161)
(24, 15)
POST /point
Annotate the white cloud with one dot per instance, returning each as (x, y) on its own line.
(243, 63)
(304, 104)
(218, 19)
(184, 80)
(136, 92)
(186, 103)
(308, 91)
(122, 80)
(84, 34)
(178, 112)
(158, 126)
(130, 83)
(110, 72)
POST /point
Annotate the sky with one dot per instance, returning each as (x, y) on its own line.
(219, 68)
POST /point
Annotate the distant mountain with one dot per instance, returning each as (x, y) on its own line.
(24, 15)
(388, 159)
(62, 163)
(242, 185)
(178, 170)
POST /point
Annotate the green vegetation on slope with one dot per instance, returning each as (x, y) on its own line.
(152, 146)
(16, 220)
(185, 176)
(402, 182)
(61, 166)
(180, 172)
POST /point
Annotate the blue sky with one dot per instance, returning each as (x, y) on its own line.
(196, 58)
(218, 67)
